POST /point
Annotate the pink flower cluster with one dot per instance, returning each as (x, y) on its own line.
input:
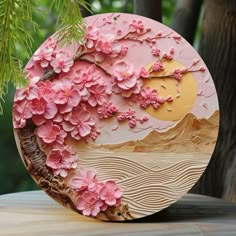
(178, 73)
(61, 160)
(60, 110)
(148, 96)
(94, 196)
(79, 123)
(126, 81)
(104, 45)
(130, 116)
(48, 57)
(136, 27)
(106, 110)
(157, 66)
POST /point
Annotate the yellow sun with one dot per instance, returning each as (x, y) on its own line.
(184, 93)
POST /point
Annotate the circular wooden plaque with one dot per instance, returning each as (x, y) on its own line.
(121, 126)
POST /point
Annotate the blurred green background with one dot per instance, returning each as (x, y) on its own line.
(13, 175)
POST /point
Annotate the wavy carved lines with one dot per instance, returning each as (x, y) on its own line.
(147, 189)
(116, 168)
(117, 161)
(158, 196)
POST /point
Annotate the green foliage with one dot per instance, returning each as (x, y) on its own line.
(104, 6)
(15, 18)
(70, 20)
(168, 7)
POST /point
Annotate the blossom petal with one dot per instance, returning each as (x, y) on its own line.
(84, 130)
(50, 111)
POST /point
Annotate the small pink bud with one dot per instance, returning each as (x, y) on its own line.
(195, 62)
(132, 123)
(119, 32)
(202, 68)
(169, 99)
(172, 51)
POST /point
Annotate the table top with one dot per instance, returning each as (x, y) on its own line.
(34, 213)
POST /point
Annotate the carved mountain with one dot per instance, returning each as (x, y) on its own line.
(191, 134)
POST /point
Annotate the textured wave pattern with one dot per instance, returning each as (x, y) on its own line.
(148, 189)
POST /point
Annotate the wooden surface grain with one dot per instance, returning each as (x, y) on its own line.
(34, 213)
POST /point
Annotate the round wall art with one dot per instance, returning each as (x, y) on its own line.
(121, 126)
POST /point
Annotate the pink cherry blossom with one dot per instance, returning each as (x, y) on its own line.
(136, 27)
(156, 52)
(28, 93)
(67, 95)
(105, 43)
(97, 95)
(48, 132)
(177, 74)
(85, 179)
(106, 110)
(61, 161)
(157, 66)
(144, 73)
(88, 78)
(132, 91)
(20, 94)
(21, 113)
(147, 97)
(62, 62)
(89, 203)
(50, 111)
(110, 193)
(43, 55)
(45, 90)
(40, 106)
(60, 140)
(126, 115)
(91, 36)
(50, 42)
(124, 76)
(79, 123)
(107, 46)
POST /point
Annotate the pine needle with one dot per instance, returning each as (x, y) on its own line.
(15, 18)
(70, 20)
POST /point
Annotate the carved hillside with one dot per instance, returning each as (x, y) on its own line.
(189, 135)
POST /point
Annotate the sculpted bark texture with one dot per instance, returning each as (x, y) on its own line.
(217, 47)
(148, 8)
(186, 18)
